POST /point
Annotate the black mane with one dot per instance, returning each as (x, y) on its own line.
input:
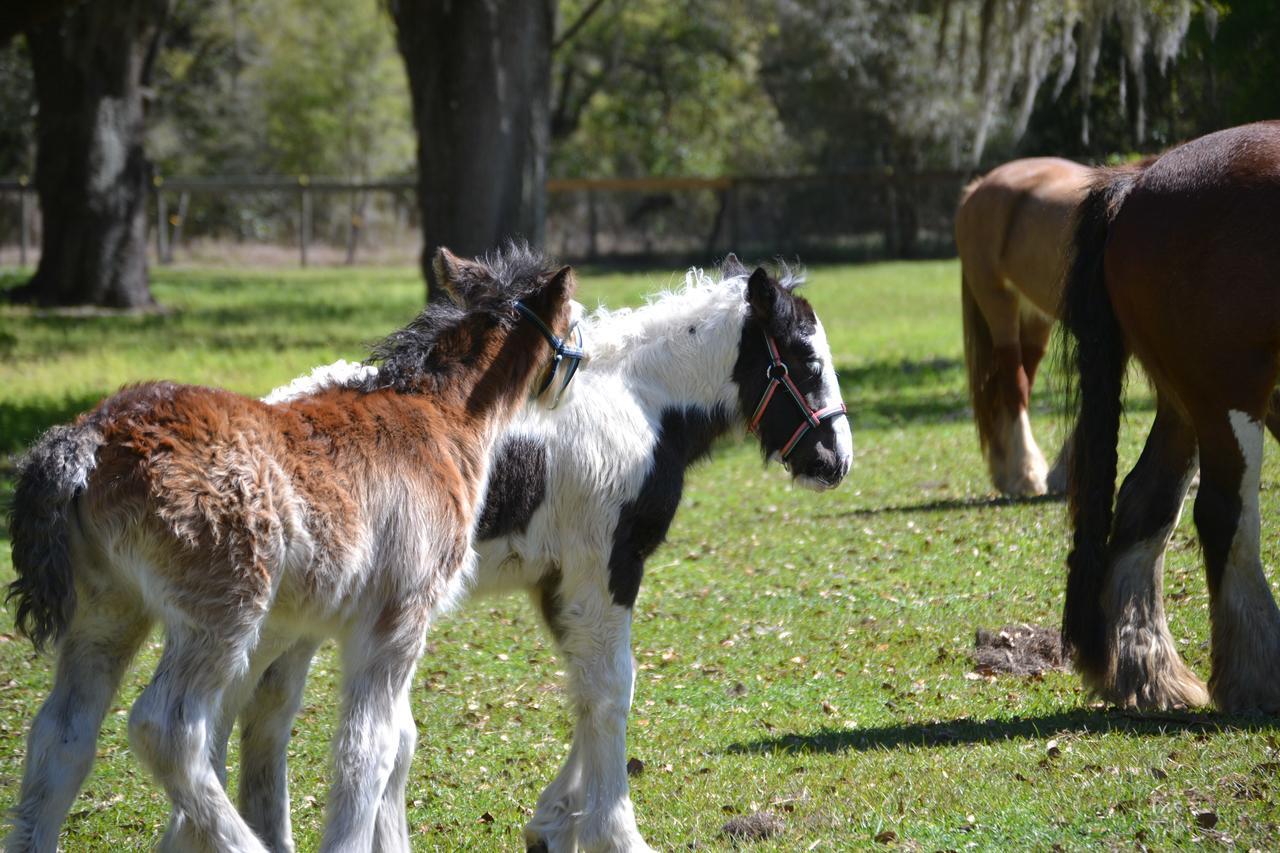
(492, 284)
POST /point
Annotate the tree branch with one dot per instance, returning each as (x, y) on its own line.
(577, 25)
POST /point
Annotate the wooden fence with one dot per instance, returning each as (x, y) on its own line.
(869, 212)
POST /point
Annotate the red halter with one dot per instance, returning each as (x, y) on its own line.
(778, 376)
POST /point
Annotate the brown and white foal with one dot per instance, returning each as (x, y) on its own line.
(244, 527)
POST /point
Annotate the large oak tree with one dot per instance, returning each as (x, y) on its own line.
(91, 63)
(480, 78)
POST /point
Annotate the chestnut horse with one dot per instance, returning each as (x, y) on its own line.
(244, 528)
(1012, 231)
(1176, 263)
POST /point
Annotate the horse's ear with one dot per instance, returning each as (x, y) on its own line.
(731, 267)
(456, 277)
(762, 294)
(563, 283)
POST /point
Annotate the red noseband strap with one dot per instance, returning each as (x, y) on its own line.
(779, 378)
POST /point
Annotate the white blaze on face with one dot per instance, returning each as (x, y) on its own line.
(831, 396)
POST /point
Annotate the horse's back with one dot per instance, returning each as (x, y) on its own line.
(1014, 225)
(1193, 254)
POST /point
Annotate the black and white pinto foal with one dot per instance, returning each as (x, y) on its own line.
(579, 498)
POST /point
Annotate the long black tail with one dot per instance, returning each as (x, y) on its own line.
(1093, 364)
(50, 478)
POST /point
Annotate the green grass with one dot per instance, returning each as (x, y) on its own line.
(802, 654)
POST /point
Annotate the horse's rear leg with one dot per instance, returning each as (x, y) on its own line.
(265, 726)
(1145, 669)
(588, 805)
(276, 834)
(172, 729)
(1246, 622)
(1034, 331)
(1014, 459)
(370, 753)
(391, 833)
(103, 637)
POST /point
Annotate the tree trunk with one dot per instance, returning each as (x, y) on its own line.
(480, 77)
(90, 67)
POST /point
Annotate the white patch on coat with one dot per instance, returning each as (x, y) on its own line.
(341, 372)
(1246, 622)
(1021, 470)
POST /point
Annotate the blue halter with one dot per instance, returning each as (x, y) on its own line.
(569, 356)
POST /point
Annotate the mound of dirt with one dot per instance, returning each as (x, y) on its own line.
(753, 827)
(1019, 650)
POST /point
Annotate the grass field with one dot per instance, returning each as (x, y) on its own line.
(800, 654)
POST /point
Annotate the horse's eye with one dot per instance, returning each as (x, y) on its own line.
(814, 365)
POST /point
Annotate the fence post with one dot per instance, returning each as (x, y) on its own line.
(304, 225)
(178, 219)
(593, 248)
(162, 221)
(891, 245)
(24, 217)
(355, 223)
(731, 201)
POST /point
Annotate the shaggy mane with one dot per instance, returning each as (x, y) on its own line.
(410, 354)
(618, 333)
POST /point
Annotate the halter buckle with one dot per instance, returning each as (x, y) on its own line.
(780, 367)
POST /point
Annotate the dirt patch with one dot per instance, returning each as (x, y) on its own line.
(753, 827)
(1019, 650)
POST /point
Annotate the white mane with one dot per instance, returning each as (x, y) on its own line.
(661, 326)
(341, 372)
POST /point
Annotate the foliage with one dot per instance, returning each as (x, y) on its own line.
(705, 87)
(333, 88)
(1241, 64)
(659, 88)
(282, 87)
(954, 81)
(805, 654)
(17, 119)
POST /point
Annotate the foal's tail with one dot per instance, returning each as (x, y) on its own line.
(979, 362)
(50, 478)
(1093, 361)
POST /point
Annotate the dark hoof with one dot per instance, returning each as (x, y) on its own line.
(537, 847)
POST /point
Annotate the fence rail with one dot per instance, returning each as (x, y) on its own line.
(865, 212)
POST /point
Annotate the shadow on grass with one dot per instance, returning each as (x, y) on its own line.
(892, 375)
(944, 505)
(965, 731)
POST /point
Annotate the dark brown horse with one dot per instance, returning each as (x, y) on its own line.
(1013, 228)
(1178, 263)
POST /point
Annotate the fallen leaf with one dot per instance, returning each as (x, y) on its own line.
(886, 837)
(1206, 819)
(486, 818)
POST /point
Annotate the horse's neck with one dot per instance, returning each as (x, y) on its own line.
(491, 391)
(663, 363)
